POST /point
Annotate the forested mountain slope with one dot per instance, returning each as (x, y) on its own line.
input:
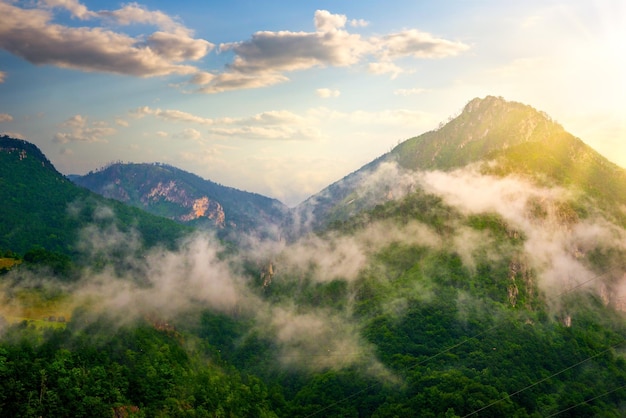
(496, 137)
(42, 208)
(176, 194)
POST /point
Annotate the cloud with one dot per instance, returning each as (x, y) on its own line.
(5, 117)
(417, 44)
(134, 13)
(239, 81)
(199, 276)
(555, 243)
(79, 129)
(171, 115)
(359, 23)
(271, 117)
(264, 59)
(384, 67)
(16, 135)
(122, 122)
(273, 125)
(267, 132)
(31, 34)
(408, 92)
(76, 9)
(3, 76)
(326, 93)
(190, 133)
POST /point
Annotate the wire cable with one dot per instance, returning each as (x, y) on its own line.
(542, 380)
(452, 347)
(586, 401)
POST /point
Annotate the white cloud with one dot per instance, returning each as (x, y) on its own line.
(161, 134)
(554, 245)
(280, 132)
(31, 34)
(5, 117)
(190, 133)
(202, 78)
(276, 124)
(327, 22)
(417, 44)
(359, 23)
(271, 117)
(3, 76)
(16, 135)
(78, 129)
(326, 93)
(237, 81)
(134, 13)
(73, 6)
(264, 59)
(122, 122)
(171, 115)
(384, 67)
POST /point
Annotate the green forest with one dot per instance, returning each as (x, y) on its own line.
(437, 339)
(493, 290)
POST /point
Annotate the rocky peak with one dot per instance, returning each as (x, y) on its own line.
(484, 126)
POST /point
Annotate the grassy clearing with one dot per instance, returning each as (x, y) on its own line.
(8, 263)
(37, 308)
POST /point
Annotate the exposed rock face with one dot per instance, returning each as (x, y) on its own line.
(204, 207)
(201, 207)
(173, 193)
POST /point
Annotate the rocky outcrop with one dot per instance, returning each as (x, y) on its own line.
(200, 207)
(166, 191)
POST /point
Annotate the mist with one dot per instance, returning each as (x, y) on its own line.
(200, 274)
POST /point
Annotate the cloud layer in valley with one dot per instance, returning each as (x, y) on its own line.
(200, 275)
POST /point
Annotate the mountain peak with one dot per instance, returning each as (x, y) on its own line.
(24, 149)
(484, 126)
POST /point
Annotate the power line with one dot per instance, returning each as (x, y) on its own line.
(542, 380)
(587, 401)
(452, 347)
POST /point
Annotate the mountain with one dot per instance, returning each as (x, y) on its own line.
(176, 194)
(42, 208)
(488, 283)
(499, 136)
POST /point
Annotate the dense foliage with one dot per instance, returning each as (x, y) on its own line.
(451, 322)
(100, 369)
(40, 207)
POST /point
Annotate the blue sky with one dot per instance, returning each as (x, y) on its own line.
(284, 97)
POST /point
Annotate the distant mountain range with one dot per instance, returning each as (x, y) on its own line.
(176, 194)
(496, 136)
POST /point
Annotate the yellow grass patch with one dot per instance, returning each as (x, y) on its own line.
(30, 305)
(7, 263)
